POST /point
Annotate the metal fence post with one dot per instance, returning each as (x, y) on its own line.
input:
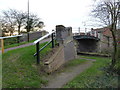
(52, 40)
(18, 39)
(38, 54)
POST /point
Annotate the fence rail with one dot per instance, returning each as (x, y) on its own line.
(2, 41)
(37, 54)
(10, 36)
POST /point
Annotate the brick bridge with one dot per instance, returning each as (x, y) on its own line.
(86, 43)
(69, 45)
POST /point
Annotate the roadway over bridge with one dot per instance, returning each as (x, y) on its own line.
(78, 37)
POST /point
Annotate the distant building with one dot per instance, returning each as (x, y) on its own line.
(105, 36)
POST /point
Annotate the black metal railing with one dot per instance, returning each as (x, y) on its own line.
(38, 50)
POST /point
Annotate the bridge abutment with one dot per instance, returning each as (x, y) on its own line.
(66, 50)
(64, 37)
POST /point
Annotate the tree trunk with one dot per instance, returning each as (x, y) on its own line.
(28, 36)
(114, 52)
(114, 48)
(19, 30)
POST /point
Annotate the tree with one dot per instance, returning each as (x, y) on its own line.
(19, 18)
(108, 13)
(40, 24)
(14, 18)
(33, 22)
(7, 22)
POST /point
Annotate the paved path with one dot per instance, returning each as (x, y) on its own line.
(64, 77)
(25, 45)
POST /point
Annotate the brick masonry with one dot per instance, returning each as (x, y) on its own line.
(65, 38)
(66, 50)
(55, 61)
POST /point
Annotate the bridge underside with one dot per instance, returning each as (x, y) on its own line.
(86, 43)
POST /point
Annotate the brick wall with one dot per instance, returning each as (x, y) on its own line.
(32, 36)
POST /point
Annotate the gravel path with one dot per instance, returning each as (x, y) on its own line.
(64, 77)
(25, 45)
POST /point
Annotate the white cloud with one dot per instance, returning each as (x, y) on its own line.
(54, 12)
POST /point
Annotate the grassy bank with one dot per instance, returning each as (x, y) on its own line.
(94, 77)
(11, 43)
(20, 70)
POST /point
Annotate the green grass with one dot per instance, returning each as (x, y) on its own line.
(9, 41)
(14, 44)
(93, 77)
(20, 69)
(74, 62)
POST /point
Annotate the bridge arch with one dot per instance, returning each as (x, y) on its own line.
(86, 43)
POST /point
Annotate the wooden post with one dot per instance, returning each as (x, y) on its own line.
(2, 45)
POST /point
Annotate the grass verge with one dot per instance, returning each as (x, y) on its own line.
(94, 77)
(17, 44)
(19, 69)
(74, 62)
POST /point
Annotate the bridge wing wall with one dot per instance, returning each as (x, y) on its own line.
(65, 38)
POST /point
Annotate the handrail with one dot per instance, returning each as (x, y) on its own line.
(43, 37)
(37, 45)
(10, 36)
(43, 47)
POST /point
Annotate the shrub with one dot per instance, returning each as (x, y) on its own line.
(103, 81)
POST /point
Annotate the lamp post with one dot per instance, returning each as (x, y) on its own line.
(79, 30)
(28, 22)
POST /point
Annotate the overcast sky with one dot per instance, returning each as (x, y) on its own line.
(55, 12)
